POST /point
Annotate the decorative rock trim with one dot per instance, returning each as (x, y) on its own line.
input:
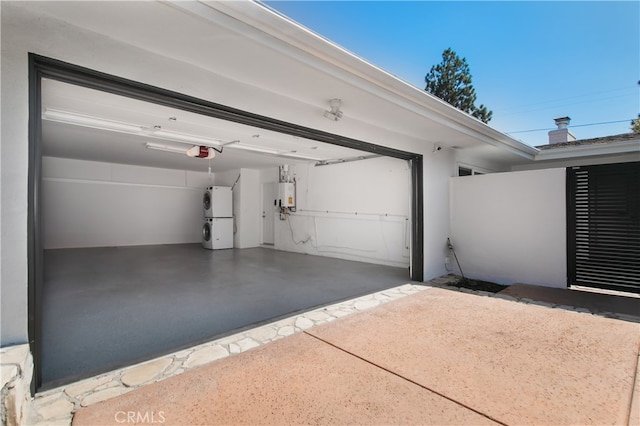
(57, 406)
(16, 364)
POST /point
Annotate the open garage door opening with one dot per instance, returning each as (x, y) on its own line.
(120, 269)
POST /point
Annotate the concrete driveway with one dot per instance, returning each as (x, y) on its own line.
(435, 357)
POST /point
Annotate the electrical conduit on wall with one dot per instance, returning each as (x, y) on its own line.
(356, 211)
(375, 238)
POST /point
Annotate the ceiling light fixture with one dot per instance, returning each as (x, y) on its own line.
(300, 156)
(166, 148)
(334, 112)
(244, 147)
(183, 137)
(89, 121)
(155, 132)
(261, 150)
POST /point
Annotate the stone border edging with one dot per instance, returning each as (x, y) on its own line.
(16, 364)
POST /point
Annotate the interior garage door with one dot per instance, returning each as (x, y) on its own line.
(603, 226)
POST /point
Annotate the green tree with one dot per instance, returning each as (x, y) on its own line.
(450, 81)
(635, 125)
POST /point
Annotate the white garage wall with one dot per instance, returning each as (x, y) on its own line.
(92, 204)
(229, 178)
(246, 205)
(357, 211)
(250, 209)
(511, 227)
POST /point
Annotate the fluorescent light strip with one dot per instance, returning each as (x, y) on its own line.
(166, 148)
(300, 156)
(119, 126)
(252, 148)
(88, 121)
(183, 137)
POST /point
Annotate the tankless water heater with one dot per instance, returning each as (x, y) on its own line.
(286, 194)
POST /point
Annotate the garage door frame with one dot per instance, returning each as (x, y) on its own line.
(43, 67)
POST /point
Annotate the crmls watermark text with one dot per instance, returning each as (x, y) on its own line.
(139, 417)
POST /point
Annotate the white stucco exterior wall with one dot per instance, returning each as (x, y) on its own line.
(439, 167)
(13, 216)
(511, 227)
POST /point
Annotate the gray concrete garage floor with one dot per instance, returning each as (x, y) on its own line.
(108, 307)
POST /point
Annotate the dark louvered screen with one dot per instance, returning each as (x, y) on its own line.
(603, 226)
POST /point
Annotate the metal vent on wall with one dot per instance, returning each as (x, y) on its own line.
(603, 226)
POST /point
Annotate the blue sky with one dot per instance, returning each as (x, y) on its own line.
(530, 61)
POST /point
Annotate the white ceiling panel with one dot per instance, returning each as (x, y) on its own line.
(87, 141)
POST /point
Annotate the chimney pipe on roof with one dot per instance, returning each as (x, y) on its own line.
(562, 133)
(562, 122)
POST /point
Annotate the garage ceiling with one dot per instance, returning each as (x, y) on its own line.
(91, 125)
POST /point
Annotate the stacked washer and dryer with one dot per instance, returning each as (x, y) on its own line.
(217, 230)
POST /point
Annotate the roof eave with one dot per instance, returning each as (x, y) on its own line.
(577, 151)
(298, 38)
